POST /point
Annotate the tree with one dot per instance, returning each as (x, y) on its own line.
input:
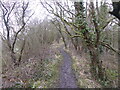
(116, 13)
(79, 24)
(14, 20)
(58, 26)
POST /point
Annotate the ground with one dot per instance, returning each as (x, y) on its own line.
(61, 68)
(67, 77)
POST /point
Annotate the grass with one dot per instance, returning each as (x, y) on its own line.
(112, 77)
(82, 73)
(37, 72)
(50, 74)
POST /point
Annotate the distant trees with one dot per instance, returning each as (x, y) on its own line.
(40, 35)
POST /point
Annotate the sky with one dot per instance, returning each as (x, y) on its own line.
(40, 12)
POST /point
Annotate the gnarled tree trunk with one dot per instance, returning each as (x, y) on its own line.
(96, 68)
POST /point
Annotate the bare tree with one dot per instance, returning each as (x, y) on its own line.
(19, 12)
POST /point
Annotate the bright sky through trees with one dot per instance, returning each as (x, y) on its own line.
(39, 12)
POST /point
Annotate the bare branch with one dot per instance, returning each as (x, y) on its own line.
(24, 7)
(21, 52)
(65, 9)
(10, 12)
(3, 7)
(47, 8)
(107, 23)
(109, 47)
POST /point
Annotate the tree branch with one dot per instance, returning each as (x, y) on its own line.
(10, 12)
(24, 7)
(107, 23)
(109, 47)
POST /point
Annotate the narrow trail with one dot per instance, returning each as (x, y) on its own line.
(67, 78)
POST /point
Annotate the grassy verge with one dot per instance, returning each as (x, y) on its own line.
(36, 72)
(50, 74)
(111, 79)
(81, 70)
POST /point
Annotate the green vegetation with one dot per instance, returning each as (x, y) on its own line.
(88, 31)
(50, 73)
(111, 78)
(46, 74)
(82, 71)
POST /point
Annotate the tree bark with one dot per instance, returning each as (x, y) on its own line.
(119, 55)
(63, 38)
(96, 68)
(72, 40)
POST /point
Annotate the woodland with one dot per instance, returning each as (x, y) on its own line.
(61, 44)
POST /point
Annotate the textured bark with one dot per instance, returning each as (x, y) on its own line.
(97, 71)
(119, 55)
(78, 12)
(13, 57)
(63, 38)
(21, 52)
(72, 40)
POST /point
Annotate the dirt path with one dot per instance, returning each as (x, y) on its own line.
(67, 78)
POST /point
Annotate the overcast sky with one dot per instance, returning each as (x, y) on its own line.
(40, 12)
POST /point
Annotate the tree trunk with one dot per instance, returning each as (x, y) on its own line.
(78, 12)
(63, 38)
(96, 65)
(75, 46)
(13, 57)
(21, 52)
(119, 55)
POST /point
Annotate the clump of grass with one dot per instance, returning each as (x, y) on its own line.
(111, 78)
(112, 74)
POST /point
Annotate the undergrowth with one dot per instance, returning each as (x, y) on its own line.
(111, 78)
(50, 73)
(82, 72)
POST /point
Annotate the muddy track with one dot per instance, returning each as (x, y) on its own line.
(67, 77)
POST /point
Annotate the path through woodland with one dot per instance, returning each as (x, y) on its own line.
(67, 77)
